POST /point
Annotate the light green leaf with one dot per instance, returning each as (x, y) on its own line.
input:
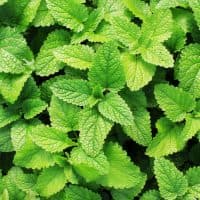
(157, 54)
(115, 108)
(156, 30)
(93, 130)
(50, 139)
(138, 8)
(20, 131)
(90, 26)
(168, 140)
(107, 69)
(5, 140)
(171, 182)
(138, 73)
(122, 172)
(2, 2)
(75, 91)
(195, 4)
(32, 156)
(140, 129)
(125, 31)
(46, 64)
(7, 116)
(69, 13)
(74, 192)
(77, 56)
(11, 85)
(14, 52)
(189, 69)
(63, 116)
(175, 102)
(43, 16)
(151, 195)
(51, 181)
(164, 4)
(89, 167)
(33, 107)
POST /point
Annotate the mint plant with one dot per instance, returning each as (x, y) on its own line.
(99, 99)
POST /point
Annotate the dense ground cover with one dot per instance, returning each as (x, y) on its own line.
(99, 99)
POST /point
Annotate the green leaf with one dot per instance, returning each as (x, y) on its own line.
(74, 91)
(90, 26)
(138, 73)
(168, 140)
(7, 116)
(29, 14)
(195, 4)
(46, 64)
(171, 182)
(89, 167)
(43, 16)
(126, 32)
(11, 85)
(174, 101)
(51, 181)
(14, 52)
(93, 130)
(50, 139)
(20, 131)
(115, 108)
(32, 156)
(157, 54)
(77, 56)
(191, 128)
(122, 172)
(74, 192)
(151, 195)
(192, 176)
(138, 8)
(107, 69)
(156, 30)
(189, 69)
(140, 129)
(69, 13)
(63, 116)
(25, 182)
(33, 107)
(5, 140)
(164, 4)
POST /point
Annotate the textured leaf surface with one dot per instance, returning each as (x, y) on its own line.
(168, 140)
(75, 91)
(14, 51)
(171, 4)
(122, 172)
(50, 139)
(69, 13)
(171, 181)
(63, 116)
(89, 167)
(5, 140)
(11, 85)
(74, 192)
(32, 156)
(77, 56)
(7, 116)
(151, 195)
(195, 4)
(46, 63)
(175, 102)
(51, 181)
(126, 32)
(189, 69)
(115, 108)
(107, 69)
(33, 107)
(93, 130)
(138, 73)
